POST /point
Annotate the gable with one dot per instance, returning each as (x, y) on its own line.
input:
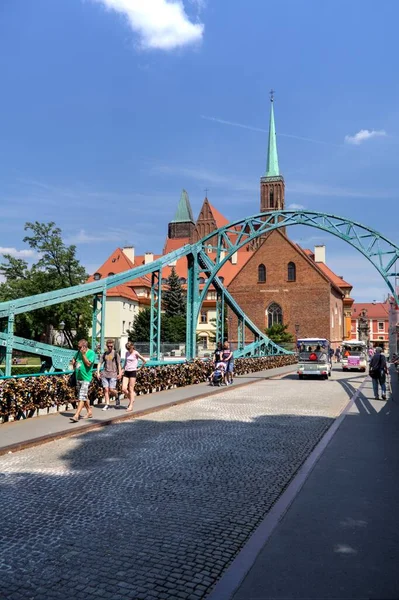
(275, 252)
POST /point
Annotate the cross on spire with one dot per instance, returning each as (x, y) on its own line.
(206, 190)
(271, 95)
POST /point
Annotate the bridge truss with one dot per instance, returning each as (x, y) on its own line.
(204, 258)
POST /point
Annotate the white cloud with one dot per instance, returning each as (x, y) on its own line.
(161, 24)
(295, 206)
(17, 253)
(363, 135)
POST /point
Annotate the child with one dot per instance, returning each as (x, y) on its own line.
(218, 374)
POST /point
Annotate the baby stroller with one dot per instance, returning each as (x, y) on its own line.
(217, 376)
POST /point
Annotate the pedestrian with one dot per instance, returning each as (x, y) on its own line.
(217, 357)
(228, 359)
(111, 361)
(338, 354)
(83, 364)
(331, 354)
(371, 353)
(130, 372)
(378, 371)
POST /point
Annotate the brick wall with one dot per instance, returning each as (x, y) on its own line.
(307, 301)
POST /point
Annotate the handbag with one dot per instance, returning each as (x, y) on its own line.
(72, 381)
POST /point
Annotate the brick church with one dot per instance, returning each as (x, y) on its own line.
(273, 280)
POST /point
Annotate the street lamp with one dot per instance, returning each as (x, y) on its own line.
(62, 327)
(296, 333)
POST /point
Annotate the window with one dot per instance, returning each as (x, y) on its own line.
(261, 274)
(271, 199)
(291, 271)
(221, 279)
(274, 315)
(97, 276)
(182, 280)
(201, 280)
(164, 280)
(204, 316)
(123, 326)
(381, 326)
(110, 274)
(211, 296)
(204, 342)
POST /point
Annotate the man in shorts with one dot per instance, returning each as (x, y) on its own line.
(83, 364)
(111, 373)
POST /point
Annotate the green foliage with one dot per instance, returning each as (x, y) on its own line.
(173, 329)
(57, 267)
(278, 333)
(174, 301)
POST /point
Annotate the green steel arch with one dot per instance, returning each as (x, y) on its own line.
(223, 243)
(379, 250)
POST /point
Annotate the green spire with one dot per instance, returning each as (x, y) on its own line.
(272, 169)
(184, 212)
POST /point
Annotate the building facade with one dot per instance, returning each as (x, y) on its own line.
(273, 279)
(377, 315)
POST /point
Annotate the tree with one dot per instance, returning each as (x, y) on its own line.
(278, 333)
(57, 267)
(140, 331)
(174, 301)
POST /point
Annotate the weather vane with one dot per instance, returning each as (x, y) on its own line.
(271, 95)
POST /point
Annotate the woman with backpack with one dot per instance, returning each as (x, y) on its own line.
(111, 361)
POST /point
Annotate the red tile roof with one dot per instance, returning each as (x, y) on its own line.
(339, 281)
(219, 218)
(375, 310)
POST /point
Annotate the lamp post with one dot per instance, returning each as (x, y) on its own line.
(296, 334)
(62, 327)
(393, 326)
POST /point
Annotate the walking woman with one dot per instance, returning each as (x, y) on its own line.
(129, 373)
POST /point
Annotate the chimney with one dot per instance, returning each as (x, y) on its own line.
(222, 254)
(320, 254)
(129, 252)
(148, 258)
(234, 258)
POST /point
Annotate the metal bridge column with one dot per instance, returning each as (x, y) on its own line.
(9, 342)
(98, 323)
(193, 296)
(155, 325)
(220, 317)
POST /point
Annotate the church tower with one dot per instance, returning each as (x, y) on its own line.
(183, 224)
(272, 183)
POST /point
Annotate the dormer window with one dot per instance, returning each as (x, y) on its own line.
(110, 274)
(97, 276)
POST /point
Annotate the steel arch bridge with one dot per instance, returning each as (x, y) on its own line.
(206, 256)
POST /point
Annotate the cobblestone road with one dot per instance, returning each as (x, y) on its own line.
(157, 507)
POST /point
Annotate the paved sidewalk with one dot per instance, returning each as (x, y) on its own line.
(30, 432)
(339, 537)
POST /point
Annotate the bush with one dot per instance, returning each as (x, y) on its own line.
(30, 393)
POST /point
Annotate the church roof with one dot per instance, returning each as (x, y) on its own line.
(220, 220)
(272, 168)
(184, 212)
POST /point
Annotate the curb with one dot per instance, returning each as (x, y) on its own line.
(93, 425)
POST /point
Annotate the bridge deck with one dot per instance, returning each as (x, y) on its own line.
(158, 507)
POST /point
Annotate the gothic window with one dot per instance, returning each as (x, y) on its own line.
(271, 199)
(291, 271)
(274, 315)
(261, 274)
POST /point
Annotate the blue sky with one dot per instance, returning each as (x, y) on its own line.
(110, 107)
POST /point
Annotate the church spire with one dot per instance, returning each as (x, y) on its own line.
(272, 183)
(183, 224)
(272, 169)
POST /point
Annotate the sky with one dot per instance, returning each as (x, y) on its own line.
(109, 108)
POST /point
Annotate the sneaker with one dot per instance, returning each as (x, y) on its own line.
(117, 402)
(383, 396)
(106, 407)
